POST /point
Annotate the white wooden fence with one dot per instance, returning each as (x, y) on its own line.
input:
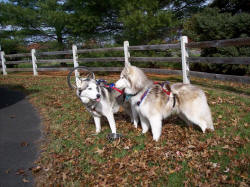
(184, 59)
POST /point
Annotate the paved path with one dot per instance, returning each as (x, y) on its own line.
(19, 136)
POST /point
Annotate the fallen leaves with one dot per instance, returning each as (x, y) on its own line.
(20, 172)
(25, 180)
(70, 155)
(36, 169)
(24, 144)
(99, 151)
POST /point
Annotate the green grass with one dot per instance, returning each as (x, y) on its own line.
(183, 156)
(176, 179)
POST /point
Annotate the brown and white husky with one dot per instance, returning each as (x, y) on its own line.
(154, 102)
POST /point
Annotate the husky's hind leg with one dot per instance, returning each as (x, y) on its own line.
(198, 112)
(135, 116)
(183, 117)
(156, 126)
(144, 124)
(199, 120)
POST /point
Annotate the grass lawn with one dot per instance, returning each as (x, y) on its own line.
(72, 156)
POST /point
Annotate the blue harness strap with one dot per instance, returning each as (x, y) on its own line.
(142, 97)
(128, 96)
(110, 86)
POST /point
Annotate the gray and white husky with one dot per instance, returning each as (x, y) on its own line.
(154, 102)
(100, 100)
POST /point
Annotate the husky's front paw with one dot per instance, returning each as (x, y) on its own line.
(156, 138)
(145, 130)
(135, 125)
(98, 131)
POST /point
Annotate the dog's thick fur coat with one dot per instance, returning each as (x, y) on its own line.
(186, 100)
(100, 101)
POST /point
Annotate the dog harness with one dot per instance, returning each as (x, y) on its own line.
(142, 97)
(162, 84)
(146, 92)
(111, 85)
(128, 96)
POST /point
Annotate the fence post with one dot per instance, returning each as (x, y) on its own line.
(185, 64)
(34, 61)
(75, 60)
(3, 63)
(126, 52)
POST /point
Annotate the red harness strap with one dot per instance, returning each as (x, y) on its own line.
(120, 91)
(167, 92)
(112, 87)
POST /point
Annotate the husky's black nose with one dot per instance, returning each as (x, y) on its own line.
(98, 96)
(79, 92)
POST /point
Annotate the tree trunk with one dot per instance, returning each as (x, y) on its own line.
(60, 42)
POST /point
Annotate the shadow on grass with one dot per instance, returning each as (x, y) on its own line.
(11, 94)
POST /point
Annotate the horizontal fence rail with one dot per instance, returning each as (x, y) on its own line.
(18, 55)
(99, 50)
(215, 60)
(49, 53)
(220, 43)
(154, 47)
(220, 60)
(155, 59)
(54, 61)
(185, 59)
(213, 76)
(105, 59)
(18, 62)
(234, 78)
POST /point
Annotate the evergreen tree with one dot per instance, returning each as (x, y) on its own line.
(144, 21)
(35, 20)
(232, 6)
(210, 24)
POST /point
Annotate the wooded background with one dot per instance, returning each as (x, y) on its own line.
(49, 25)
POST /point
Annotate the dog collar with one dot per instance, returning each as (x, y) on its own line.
(142, 97)
(128, 96)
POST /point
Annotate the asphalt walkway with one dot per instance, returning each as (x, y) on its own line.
(19, 136)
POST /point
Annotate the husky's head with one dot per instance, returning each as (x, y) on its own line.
(87, 89)
(132, 79)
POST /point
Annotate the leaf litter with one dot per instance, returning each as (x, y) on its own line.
(71, 155)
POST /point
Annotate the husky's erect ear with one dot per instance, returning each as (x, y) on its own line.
(78, 82)
(126, 54)
(91, 75)
(127, 68)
